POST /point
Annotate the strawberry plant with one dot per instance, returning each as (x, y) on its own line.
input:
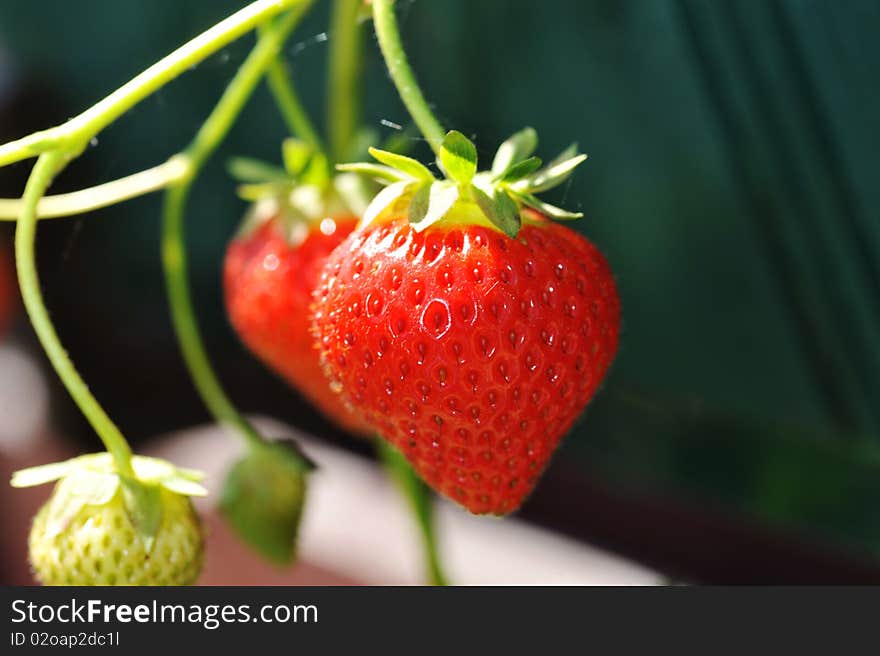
(451, 318)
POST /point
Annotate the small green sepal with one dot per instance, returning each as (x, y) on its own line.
(431, 202)
(458, 157)
(263, 498)
(521, 169)
(499, 195)
(92, 480)
(517, 148)
(406, 165)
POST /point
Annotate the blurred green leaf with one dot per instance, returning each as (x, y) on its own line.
(263, 498)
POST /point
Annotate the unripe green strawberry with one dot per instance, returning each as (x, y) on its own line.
(99, 528)
(101, 547)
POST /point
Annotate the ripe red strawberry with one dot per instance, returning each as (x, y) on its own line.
(272, 267)
(471, 350)
(269, 279)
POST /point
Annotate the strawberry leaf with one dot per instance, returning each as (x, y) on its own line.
(296, 155)
(546, 208)
(247, 169)
(143, 503)
(316, 172)
(42, 474)
(551, 176)
(568, 153)
(407, 165)
(355, 192)
(79, 488)
(418, 204)
(384, 199)
(377, 171)
(458, 157)
(183, 485)
(441, 196)
(518, 147)
(263, 498)
(499, 209)
(254, 192)
(521, 169)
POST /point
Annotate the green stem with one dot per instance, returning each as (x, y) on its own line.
(205, 143)
(120, 101)
(290, 106)
(76, 132)
(47, 166)
(103, 195)
(419, 497)
(344, 78)
(398, 66)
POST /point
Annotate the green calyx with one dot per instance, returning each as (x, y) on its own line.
(497, 196)
(301, 193)
(263, 498)
(93, 480)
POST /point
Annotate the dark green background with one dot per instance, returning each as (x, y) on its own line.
(732, 183)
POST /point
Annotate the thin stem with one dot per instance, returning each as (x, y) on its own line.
(419, 498)
(388, 34)
(103, 195)
(344, 78)
(47, 166)
(120, 101)
(29, 146)
(206, 141)
(290, 106)
(76, 132)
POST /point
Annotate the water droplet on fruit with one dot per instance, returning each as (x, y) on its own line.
(271, 262)
(436, 318)
(328, 226)
(375, 303)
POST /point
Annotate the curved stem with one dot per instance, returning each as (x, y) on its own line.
(80, 129)
(29, 146)
(120, 101)
(344, 78)
(398, 66)
(47, 166)
(103, 195)
(420, 500)
(290, 106)
(206, 141)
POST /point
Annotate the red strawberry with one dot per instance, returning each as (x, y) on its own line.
(470, 350)
(272, 267)
(269, 279)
